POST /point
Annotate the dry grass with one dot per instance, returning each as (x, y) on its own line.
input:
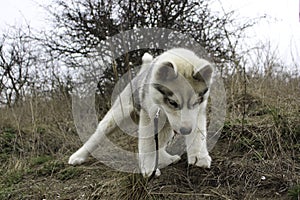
(257, 156)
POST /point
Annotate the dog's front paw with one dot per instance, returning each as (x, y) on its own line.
(147, 165)
(147, 172)
(200, 160)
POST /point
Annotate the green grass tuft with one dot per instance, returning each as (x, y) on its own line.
(294, 192)
(69, 173)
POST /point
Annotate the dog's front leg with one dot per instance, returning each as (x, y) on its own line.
(196, 145)
(146, 145)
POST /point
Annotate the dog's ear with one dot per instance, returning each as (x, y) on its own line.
(204, 74)
(166, 71)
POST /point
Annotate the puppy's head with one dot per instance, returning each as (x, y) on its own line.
(180, 86)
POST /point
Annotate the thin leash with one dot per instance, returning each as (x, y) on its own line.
(155, 120)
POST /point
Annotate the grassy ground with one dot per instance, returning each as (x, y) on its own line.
(257, 156)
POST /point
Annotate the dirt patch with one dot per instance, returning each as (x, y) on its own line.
(233, 175)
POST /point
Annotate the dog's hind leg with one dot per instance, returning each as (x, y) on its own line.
(107, 125)
(166, 159)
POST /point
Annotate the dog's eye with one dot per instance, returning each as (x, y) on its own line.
(172, 103)
(198, 102)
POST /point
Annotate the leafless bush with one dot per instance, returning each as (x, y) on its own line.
(79, 27)
(17, 65)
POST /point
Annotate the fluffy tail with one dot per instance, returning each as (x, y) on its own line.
(147, 59)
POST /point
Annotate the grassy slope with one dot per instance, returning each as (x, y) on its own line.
(258, 158)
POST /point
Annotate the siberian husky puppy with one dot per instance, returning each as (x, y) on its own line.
(174, 87)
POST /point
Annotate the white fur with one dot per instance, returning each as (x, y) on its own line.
(191, 115)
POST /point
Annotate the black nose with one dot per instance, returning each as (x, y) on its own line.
(185, 131)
